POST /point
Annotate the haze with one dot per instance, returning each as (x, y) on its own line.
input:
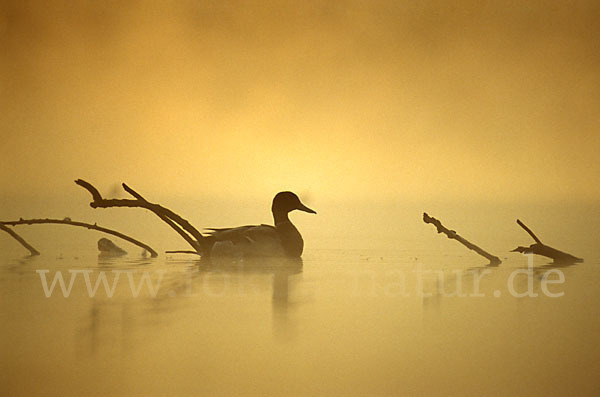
(384, 99)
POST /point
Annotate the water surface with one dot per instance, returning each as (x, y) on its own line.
(369, 310)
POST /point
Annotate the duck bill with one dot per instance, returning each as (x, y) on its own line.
(304, 208)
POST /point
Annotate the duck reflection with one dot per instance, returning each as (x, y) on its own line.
(184, 282)
(285, 281)
(286, 276)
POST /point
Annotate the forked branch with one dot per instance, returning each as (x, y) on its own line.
(189, 233)
(542, 249)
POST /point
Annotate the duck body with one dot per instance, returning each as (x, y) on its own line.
(283, 239)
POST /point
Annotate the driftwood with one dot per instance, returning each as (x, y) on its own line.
(494, 260)
(542, 249)
(108, 248)
(67, 221)
(201, 244)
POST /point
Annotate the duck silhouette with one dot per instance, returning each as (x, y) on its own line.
(283, 239)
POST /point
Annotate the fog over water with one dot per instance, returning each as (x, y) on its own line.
(363, 313)
(478, 113)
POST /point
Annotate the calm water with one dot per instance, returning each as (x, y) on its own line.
(368, 311)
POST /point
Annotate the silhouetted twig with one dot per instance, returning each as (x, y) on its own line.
(3, 225)
(542, 249)
(494, 260)
(528, 230)
(20, 239)
(189, 233)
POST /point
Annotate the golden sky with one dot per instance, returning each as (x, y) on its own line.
(378, 99)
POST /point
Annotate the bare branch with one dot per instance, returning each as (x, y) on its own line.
(190, 234)
(81, 224)
(20, 239)
(542, 249)
(166, 219)
(494, 260)
(133, 192)
(96, 196)
(549, 252)
(528, 230)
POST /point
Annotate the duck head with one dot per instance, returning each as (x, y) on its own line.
(285, 202)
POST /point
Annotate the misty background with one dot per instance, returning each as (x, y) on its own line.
(352, 100)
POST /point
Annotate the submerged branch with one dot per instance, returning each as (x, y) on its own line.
(494, 260)
(542, 249)
(182, 252)
(67, 221)
(20, 239)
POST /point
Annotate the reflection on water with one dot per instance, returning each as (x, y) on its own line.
(416, 319)
(213, 278)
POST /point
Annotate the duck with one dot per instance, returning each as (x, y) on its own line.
(281, 240)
